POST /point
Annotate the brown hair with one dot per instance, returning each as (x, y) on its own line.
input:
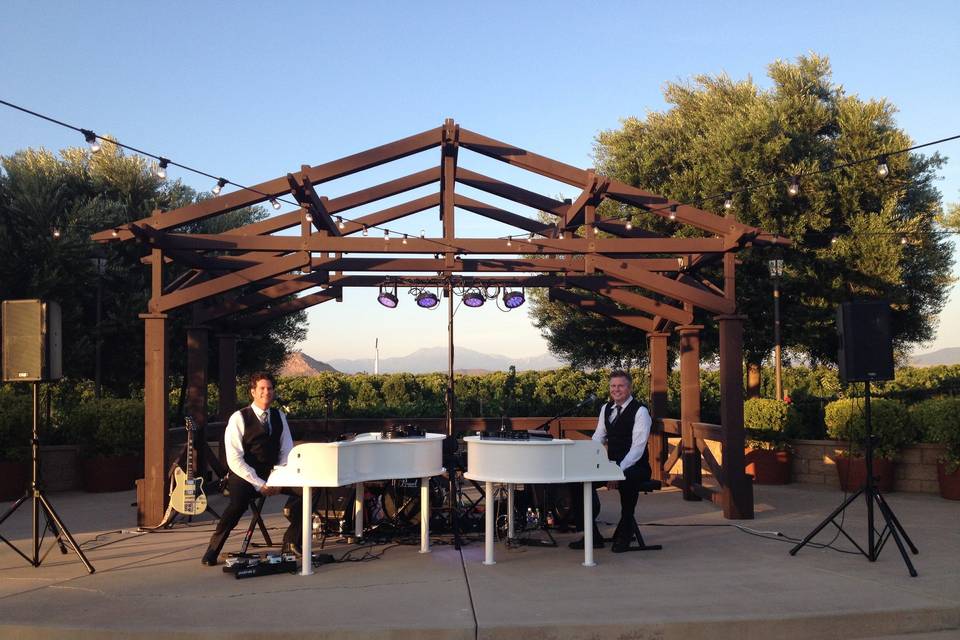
(257, 376)
(620, 373)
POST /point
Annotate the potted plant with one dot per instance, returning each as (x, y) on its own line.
(939, 421)
(892, 431)
(768, 457)
(15, 432)
(111, 433)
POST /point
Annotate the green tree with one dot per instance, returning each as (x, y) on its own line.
(50, 204)
(854, 233)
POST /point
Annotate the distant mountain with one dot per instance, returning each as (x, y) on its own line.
(300, 364)
(950, 355)
(432, 359)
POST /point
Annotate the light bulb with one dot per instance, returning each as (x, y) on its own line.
(365, 230)
(217, 188)
(161, 170)
(56, 232)
(629, 225)
(509, 243)
(794, 187)
(91, 139)
(673, 212)
(276, 204)
(404, 238)
(386, 234)
(340, 224)
(882, 169)
(728, 203)
(309, 217)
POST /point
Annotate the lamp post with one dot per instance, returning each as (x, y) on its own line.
(100, 264)
(776, 271)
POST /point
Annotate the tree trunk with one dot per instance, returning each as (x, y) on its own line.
(753, 380)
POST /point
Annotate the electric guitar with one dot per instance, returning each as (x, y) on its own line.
(187, 496)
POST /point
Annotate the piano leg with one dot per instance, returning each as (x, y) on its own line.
(510, 528)
(588, 525)
(424, 515)
(306, 547)
(358, 510)
(488, 536)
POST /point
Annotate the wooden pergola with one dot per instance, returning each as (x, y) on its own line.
(241, 278)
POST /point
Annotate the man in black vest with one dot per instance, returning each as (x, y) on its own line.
(256, 437)
(624, 426)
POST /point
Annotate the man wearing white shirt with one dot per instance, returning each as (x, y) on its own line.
(624, 426)
(256, 437)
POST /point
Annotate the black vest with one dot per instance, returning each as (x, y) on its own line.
(620, 432)
(260, 450)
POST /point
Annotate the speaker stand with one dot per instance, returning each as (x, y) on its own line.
(40, 502)
(892, 527)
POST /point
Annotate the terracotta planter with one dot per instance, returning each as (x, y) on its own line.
(949, 482)
(853, 473)
(118, 473)
(769, 466)
(14, 479)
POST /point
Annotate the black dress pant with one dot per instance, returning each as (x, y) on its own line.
(242, 493)
(629, 489)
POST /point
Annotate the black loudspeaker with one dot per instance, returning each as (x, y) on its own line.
(31, 341)
(866, 343)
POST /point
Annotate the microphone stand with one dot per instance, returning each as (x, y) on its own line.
(546, 425)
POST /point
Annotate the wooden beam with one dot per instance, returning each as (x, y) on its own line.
(302, 189)
(286, 308)
(230, 281)
(384, 190)
(631, 318)
(645, 304)
(279, 186)
(660, 284)
(506, 217)
(522, 158)
(512, 192)
(391, 213)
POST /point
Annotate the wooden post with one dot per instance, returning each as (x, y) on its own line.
(737, 496)
(196, 400)
(690, 407)
(150, 510)
(657, 443)
(227, 369)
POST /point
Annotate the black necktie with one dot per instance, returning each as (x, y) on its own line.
(265, 421)
(616, 414)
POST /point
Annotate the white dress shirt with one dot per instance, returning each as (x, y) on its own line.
(641, 431)
(233, 439)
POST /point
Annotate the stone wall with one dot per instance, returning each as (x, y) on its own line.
(916, 470)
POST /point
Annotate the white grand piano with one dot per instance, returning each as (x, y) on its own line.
(535, 461)
(365, 458)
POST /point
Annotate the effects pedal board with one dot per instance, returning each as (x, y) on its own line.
(255, 565)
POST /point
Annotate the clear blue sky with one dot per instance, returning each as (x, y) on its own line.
(252, 90)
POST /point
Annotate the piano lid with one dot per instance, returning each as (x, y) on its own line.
(538, 461)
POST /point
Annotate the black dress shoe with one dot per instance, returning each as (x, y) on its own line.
(209, 558)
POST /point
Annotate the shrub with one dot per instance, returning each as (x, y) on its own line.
(939, 422)
(16, 424)
(891, 425)
(110, 427)
(768, 423)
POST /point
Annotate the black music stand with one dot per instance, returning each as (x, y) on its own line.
(892, 527)
(39, 500)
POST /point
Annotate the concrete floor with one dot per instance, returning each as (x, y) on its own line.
(711, 580)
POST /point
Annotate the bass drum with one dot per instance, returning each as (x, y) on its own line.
(401, 500)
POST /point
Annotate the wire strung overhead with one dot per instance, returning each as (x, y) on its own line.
(793, 183)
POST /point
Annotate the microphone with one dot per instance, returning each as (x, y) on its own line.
(590, 398)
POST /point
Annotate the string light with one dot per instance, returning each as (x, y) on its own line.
(91, 139)
(834, 240)
(673, 212)
(560, 235)
(308, 217)
(56, 233)
(903, 239)
(115, 233)
(728, 203)
(275, 204)
(882, 169)
(365, 230)
(509, 243)
(404, 238)
(794, 187)
(629, 224)
(161, 170)
(340, 224)
(221, 183)
(386, 235)
(422, 233)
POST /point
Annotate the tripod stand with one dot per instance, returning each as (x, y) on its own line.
(892, 527)
(40, 501)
